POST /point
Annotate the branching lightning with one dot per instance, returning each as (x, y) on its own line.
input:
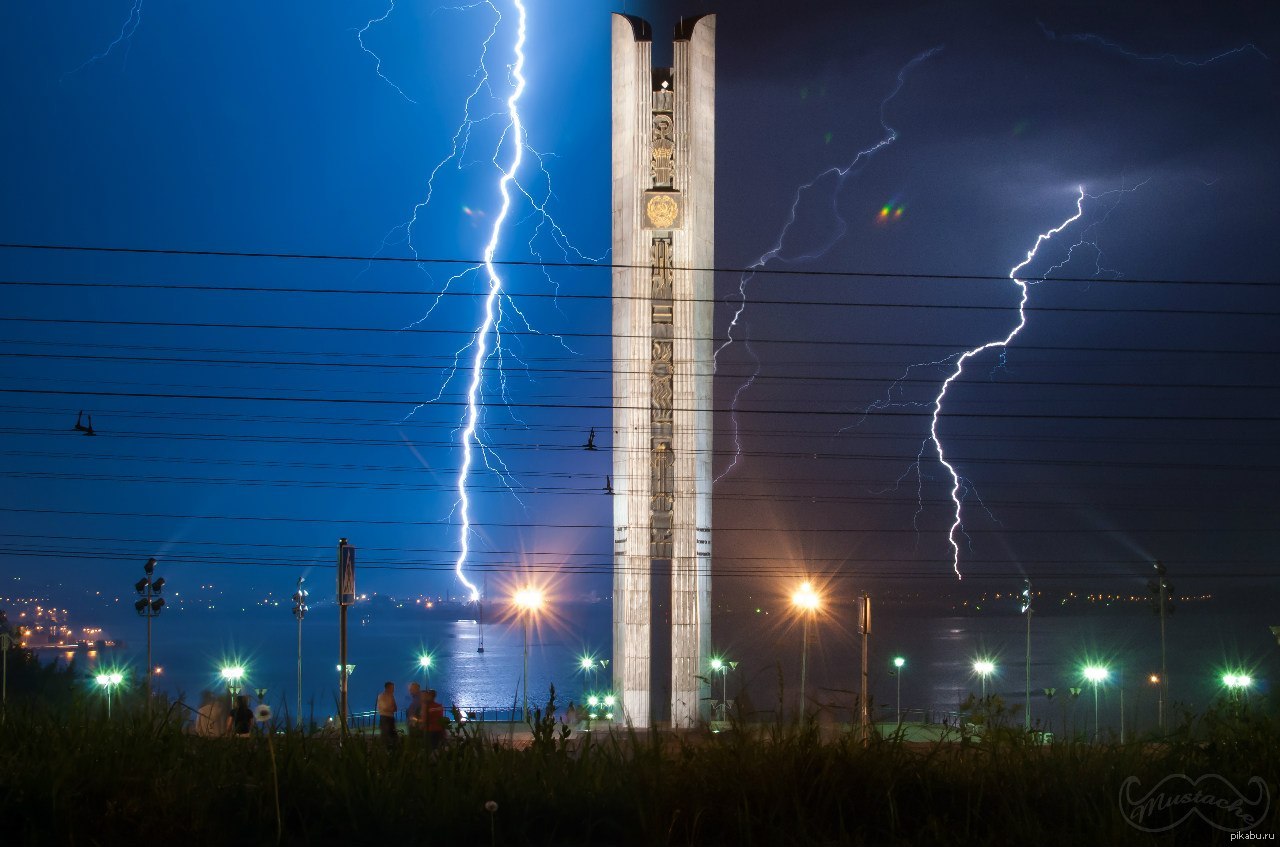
(956, 483)
(125, 37)
(484, 347)
(961, 488)
(1099, 41)
(377, 60)
(839, 174)
(492, 302)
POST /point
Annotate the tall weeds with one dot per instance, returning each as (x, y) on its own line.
(76, 778)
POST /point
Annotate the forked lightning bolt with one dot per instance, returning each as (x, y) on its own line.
(125, 37)
(515, 133)
(969, 354)
(1099, 41)
(484, 345)
(960, 487)
(839, 174)
(377, 60)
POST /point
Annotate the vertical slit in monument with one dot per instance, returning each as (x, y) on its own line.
(662, 459)
(662, 379)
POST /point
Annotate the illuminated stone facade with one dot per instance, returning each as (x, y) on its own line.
(663, 250)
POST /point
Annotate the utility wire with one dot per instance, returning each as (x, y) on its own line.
(375, 401)
(478, 263)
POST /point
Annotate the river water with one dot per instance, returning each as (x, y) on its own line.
(1203, 641)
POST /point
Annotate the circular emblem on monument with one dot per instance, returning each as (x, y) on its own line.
(662, 210)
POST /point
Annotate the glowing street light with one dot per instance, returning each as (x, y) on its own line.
(300, 612)
(148, 606)
(109, 681)
(528, 600)
(424, 662)
(1096, 674)
(233, 674)
(722, 667)
(590, 665)
(899, 663)
(1237, 683)
(807, 601)
(984, 668)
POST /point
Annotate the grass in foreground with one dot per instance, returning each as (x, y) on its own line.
(77, 779)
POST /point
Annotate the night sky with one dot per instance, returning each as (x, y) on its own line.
(251, 410)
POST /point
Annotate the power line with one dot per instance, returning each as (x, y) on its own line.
(754, 271)
(852, 570)
(607, 374)
(376, 401)
(773, 496)
(245, 289)
(719, 529)
(580, 358)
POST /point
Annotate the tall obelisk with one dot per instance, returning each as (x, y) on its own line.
(663, 251)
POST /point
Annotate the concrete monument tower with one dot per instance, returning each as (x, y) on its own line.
(663, 249)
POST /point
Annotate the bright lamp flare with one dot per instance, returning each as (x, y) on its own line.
(529, 599)
(984, 667)
(1096, 674)
(806, 598)
(587, 663)
(424, 661)
(233, 674)
(899, 662)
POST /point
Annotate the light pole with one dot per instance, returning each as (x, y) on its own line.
(722, 667)
(424, 662)
(528, 600)
(6, 641)
(807, 601)
(1161, 589)
(1026, 610)
(233, 674)
(109, 681)
(984, 668)
(299, 612)
(1095, 674)
(149, 606)
(899, 663)
(1238, 684)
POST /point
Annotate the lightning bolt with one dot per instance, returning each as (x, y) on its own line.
(377, 60)
(961, 487)
(956, 484)
(839, 174)
(125, 37)
(1099, 41)
(484, 347)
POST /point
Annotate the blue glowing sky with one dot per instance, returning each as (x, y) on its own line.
(241, 432)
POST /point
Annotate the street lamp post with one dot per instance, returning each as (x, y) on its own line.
(109, 681)
(424, 662)
(6, 641)
(529, 601)
(722, 667)
(299, 612)
(984, 668)
(807, 601)
(233, 674)
(149, 606)
(1095, 674)
(899, 663)
(1026, 610)
(1238, 684)
(1161, 590)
